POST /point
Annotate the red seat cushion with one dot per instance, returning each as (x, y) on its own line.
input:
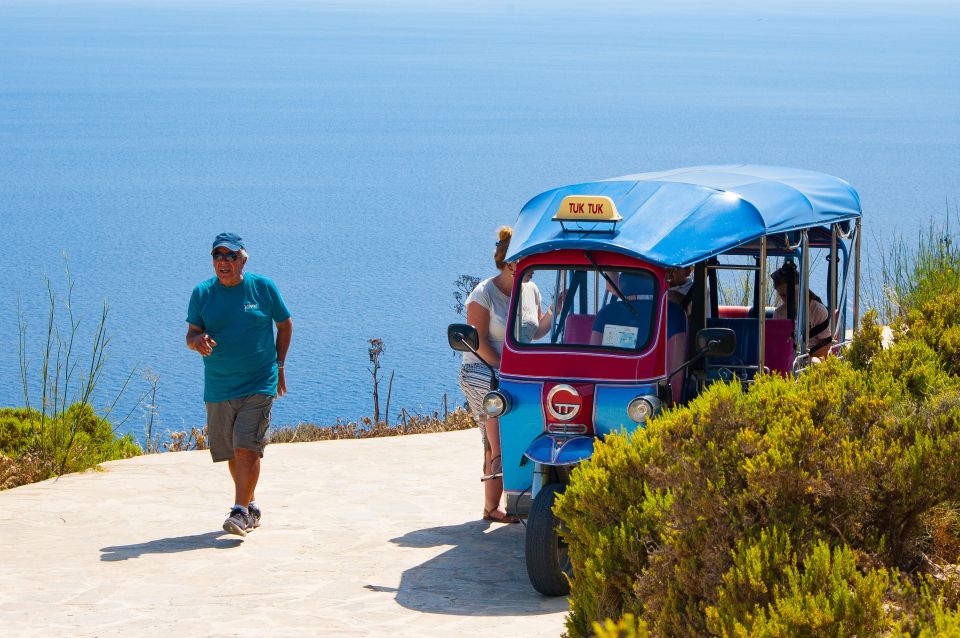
(733, 312)
(778, 350)
(578, 329)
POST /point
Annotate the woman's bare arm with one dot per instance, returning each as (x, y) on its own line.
(479, 318)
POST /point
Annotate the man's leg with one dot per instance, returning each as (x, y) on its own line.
(221, 418)
(233, 473)
(249, 439)
(220, 439)
(245, 468)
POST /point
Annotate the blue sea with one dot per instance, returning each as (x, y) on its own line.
(368, 150)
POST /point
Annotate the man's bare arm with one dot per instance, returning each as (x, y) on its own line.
(284, 334)
(199, 341)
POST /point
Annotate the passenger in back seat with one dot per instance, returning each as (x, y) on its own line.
(819, 317)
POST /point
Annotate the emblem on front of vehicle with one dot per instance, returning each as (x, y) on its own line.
(564, 402)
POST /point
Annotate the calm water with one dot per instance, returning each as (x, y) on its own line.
(367, 152)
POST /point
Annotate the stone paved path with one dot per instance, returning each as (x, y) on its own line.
(379, 537)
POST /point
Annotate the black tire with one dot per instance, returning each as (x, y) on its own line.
(548, 563)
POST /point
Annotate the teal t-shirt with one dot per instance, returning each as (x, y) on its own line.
(240, 319)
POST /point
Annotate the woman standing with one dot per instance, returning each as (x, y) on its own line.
(487, 308)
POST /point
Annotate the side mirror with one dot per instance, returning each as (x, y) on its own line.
(463, 337)
(716, 342)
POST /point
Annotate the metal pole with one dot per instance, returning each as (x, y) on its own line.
(803, 307)
(856, 280)
(555, 320)
(833, 283)
(734, 267)
(762, 303)
(699, 315)
(706, 297)
(596, 291)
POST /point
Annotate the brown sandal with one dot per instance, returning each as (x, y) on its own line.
(508, 519)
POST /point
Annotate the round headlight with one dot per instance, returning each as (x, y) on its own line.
(494, 404)
(642, 408)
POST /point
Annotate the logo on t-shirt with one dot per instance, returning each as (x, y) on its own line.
(251, 306)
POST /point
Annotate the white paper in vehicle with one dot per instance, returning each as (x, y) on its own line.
(620, 336)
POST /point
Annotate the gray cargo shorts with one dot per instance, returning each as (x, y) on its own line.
(238, 423)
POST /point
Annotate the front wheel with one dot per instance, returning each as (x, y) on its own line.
(548, 562)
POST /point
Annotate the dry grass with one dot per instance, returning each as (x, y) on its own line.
(30, 467)
(195, 439)
(27, 468)
(366, 429)
(942, 525)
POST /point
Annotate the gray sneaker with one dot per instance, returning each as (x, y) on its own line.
(254, 518)
(236, 522)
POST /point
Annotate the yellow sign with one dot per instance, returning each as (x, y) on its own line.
(587, 208)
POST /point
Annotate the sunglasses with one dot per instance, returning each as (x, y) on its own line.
(231, 256)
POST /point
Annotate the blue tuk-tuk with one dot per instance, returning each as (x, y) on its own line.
(660, 280)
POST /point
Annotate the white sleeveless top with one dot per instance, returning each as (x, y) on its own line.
(498, 304)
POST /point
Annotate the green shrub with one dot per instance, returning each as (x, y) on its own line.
(609, 541)
(936, 322)
(848, 457)
(927, 609)
(765, 593)
(627, 627)
(74, 440)
(828, 505)
(867, 341)
(753, 581)
(923, 288)
(16, 430)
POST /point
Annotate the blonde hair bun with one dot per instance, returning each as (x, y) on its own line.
(504, 233)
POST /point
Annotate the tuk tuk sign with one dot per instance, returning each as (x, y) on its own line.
(587, 208)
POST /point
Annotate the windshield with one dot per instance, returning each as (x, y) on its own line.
(587, 307)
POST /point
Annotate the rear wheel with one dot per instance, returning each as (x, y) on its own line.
(548, 562)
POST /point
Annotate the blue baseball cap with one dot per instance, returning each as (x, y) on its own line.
(228, 240)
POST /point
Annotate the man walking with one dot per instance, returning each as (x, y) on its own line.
(230, 323)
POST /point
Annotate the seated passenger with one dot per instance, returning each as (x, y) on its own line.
(626, 323)
(819, 317)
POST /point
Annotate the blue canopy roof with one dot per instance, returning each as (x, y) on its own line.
(683, 216)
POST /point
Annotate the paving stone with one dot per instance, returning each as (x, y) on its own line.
(378, 537)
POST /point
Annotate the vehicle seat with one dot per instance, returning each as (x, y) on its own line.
(577, 329)
(733, 312)
(777, 355)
